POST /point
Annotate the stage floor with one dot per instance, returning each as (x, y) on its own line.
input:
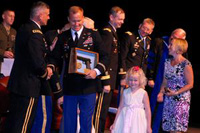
(193, 130)
(190, 130)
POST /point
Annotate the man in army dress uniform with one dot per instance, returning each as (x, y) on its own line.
(109, 35)
(135, 48)
(29, 71)
(79, 90)
(7, 35)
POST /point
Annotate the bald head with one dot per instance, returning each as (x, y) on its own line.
(178, 33)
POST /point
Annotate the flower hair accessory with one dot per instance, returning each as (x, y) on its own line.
(136, 68)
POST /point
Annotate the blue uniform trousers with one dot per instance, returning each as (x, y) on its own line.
(86, 104)
(43, 118)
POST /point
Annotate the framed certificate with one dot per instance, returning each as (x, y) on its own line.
(82, 60)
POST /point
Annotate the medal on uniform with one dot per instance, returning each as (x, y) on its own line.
(133, 54)
(136, 45)
(115, 41)
(12, 37)
(115, 51)
(45, 43)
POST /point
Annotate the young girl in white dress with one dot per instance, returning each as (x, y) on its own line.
(133, 114)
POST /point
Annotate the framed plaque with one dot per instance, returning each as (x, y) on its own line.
(82, 60)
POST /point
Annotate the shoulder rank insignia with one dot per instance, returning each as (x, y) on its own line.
(109, 30)
(37, 31)
(129, 33)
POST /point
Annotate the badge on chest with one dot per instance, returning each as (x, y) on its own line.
(136, 45)
(88, 40)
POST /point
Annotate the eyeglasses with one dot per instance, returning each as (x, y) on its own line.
(146, 29)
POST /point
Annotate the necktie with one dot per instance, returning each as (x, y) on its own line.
(76, 38)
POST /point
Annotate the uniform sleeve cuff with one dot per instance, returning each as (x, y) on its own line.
(97, 71)
(44, 75)
(51, 66)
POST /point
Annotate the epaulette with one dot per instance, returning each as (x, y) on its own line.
(109, 30)
(149, 37)
(129, 33)
(51, 66)
(95, 29)
(44, 75)
(37, 31)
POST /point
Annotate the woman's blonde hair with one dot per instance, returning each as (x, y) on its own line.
(181, 45)
(137, 70)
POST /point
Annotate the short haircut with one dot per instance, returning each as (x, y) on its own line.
(137, 70)
(149, 21)
(114, 10)
(37, 7)
(8, 9)
(75, 9)
(180, 45)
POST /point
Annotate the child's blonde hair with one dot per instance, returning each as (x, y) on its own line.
(137, 70)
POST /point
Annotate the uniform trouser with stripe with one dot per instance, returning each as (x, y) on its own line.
(43, 118)
(102, 107)
(21, 115)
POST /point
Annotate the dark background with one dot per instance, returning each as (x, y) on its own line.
(168, 15)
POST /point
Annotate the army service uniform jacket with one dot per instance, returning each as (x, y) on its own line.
(76, 84)
(133, 52)
(110, 39)
(29, 68)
